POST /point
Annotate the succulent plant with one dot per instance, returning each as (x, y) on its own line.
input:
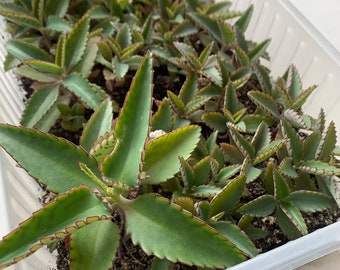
(201, 145)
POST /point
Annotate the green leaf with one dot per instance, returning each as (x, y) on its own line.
(227, 199)
(208, 24)
(243, 145)
(52, 222)
(287, 169)
(252, 121)
(291, 220)
(319, 168)
(261, 137)
(261, 206)
(185, 50)
(243, 22)
(147, 29)
(83, 89)
(176, 103)
(268, 150)
(11, 62)
(327, 144)
(99, 123)
(269, 177)
(60, 53)
(57, 8)
(50, 117)
(98, 12)
(187, 173)
(21, 19)
(132, 128)
(202, 171)
(265, 101)
(129, 51)
(263, 76)
(281, 188)
(120, 69)
(52, 160)
(310, 145)
(231, 102)
(7, 6)
(258, 50)
(205, 191)
(227, 172)
(25, 51)
(124, 36)
(213, 74)
(250, 171)
(205, 54)
(183, 29)
(189, 88)
(294, 82)
(38, 9)
(76, 42)
(216, 121)
(219, 8)
(310, 201)
(160, 236)
(235, 235)
(232, 153)
(84, 67)
(241, 74)
(301, 99)
(58, 24)
(195, 104)
(38, 105)
(332, 184)
(94, 246)
(35, 75)
(161, 155)
(242, 57)
(294, 144)
(162, 119)
(44, 67)
(161, 264)
(227, 33)
(103, 146)
(295, 119)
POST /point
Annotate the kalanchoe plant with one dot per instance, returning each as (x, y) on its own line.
(200, 146)
(112, 171)
(58, 68)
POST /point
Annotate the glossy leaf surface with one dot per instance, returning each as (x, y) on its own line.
(52, 222)
(39, 103)
(235, 235)
(58, 159)
(176, 244)
(94, 246)
(99, 123)
(132, 128)
(83, 89)
(227, 199)
(162, 154)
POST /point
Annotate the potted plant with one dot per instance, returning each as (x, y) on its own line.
(184, 170)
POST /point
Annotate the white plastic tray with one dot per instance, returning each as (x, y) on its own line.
(294, 40)
(18, 192)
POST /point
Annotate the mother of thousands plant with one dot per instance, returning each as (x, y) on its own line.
(114, 170)
(229, 125)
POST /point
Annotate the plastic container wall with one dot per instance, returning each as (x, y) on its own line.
(18, 192)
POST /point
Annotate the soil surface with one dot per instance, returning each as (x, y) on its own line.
(132, 257)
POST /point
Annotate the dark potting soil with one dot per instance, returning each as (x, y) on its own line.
(132, 257)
